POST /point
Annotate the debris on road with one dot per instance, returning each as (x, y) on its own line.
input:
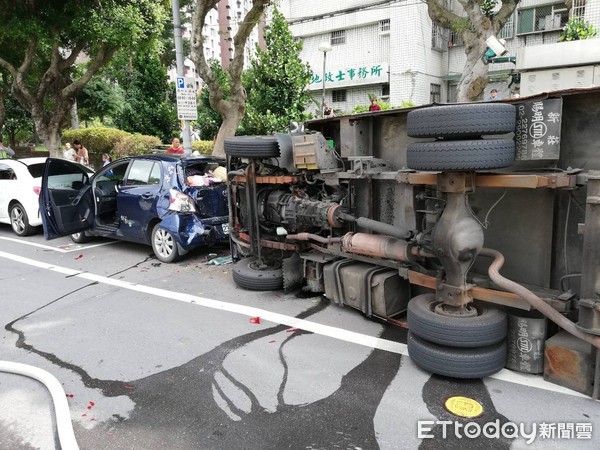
(221, 260)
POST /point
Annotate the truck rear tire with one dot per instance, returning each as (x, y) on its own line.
(260, 147)
(487, 328)
(476, 154)
(457, 362)
(458, 121)
(248, 275)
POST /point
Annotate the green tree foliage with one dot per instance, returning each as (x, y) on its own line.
(576, 29)
(100, 99)
(40, 40)
(209, 120)
(276, 82)
(148, 107)
(17, 125)
(4, 90)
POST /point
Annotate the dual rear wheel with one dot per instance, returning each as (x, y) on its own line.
(467, 343)
(458, 130)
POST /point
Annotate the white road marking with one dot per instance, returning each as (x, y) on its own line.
(293, 322)
(68, 248)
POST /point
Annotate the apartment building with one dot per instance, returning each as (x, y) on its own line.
(392, 50)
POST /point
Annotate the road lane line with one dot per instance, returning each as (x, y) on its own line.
(76, 248)
(293, 322)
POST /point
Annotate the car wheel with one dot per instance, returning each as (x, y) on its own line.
(164, 245)
(252, 147)
(486, 326)
(457, 362)
(458, 121)
(248, 274)
(19, 220)
(80, 238)
(475, 154)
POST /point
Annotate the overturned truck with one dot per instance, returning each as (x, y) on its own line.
(476, 226)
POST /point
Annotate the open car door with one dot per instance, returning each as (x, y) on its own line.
(66, 199)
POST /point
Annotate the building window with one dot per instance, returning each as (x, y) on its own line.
(542, 18)
(454, 39)
(385, 92)
(384, 26)
(578, 8)
(338, 96)
(435, 93)
(338, 37)
(439, 40)
(508, 30)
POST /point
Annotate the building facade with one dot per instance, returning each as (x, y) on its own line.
(392, 50)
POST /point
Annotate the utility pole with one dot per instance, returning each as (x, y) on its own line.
(179, 58)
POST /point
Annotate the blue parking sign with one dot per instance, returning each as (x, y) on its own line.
(180, 82)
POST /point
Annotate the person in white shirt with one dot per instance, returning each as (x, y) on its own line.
(69, 153)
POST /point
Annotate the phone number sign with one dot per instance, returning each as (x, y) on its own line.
(187, 108)
(538, 129)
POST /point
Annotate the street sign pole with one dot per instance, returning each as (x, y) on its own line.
(187, 142)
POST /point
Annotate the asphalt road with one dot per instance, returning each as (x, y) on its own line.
(157, 356)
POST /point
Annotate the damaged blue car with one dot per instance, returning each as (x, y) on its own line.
(174, 204)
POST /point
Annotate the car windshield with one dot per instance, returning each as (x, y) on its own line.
(36, 170)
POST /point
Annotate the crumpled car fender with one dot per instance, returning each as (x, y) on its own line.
(187, 229)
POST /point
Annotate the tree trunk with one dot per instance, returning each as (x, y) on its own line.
(474, 77)
(49, 133)
(51, 139)
(74, 116)
(2, 115)
(475, 28)
(231, 122)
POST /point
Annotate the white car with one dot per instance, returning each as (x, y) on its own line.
(20, 183)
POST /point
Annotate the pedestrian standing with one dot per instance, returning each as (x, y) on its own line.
(374, 105)
(175, 147)
(493, 96)
(82, 156)
(69, 153)
(6, 152)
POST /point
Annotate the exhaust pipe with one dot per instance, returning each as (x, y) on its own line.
(534, 300)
